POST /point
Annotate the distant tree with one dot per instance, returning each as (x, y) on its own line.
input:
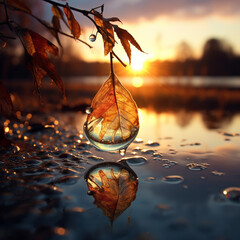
(216, 57)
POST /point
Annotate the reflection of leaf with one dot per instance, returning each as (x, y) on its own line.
(73, 24)
(116, 192)
(106, 30)
(125, 37)
(114, 108)
(19, 4)
(38, 62)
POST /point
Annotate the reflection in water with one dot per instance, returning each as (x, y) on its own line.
(113, 186)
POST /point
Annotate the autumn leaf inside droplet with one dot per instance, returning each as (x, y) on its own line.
(113, 122)
(113, 186)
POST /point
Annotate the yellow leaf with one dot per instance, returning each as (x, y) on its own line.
(114, 116)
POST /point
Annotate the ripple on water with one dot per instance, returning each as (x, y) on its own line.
(135, 160)
(173, 179)
(232, 194)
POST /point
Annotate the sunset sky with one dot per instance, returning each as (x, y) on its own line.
(160, 26)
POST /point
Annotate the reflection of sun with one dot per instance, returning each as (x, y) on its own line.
(137, 82)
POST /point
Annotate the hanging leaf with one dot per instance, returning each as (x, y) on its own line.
(73, 24)
(125, 37)
(5, 98)
(106, 30)
(57, 12)
(19, 4)
(114, 117)
(38, 62)
(113, 187)
(57, 28)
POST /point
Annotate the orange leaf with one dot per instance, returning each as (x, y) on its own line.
(114, 116)
(73, 24)
(19, 4)
(113, 186)
(125, 37)
(5, 97)
(38, 60)
(106, 30)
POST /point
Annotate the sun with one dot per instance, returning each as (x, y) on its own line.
(138, 60)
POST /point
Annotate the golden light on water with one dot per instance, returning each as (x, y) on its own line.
(137, 82)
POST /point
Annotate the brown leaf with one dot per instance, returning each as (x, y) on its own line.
(73, 24)
(58, 13)
(57, 28)
(5, 98)
(125, 37)
(106, 30)
(37, 58)
(113, 191)
(114, 115)
(19, 4)
(36, 43)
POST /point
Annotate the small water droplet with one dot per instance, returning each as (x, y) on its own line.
(173, 179)
(88, 110)
(90, 192)
(136, 160)
(152, 144)
(147, 151)
(122, 152)
(232, 194)
(92, 37)
(217, 173)
(196, 166)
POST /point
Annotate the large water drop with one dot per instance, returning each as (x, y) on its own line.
(173, 179)
(92, 37)
(232, 194)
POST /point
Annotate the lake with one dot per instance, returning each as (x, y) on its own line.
(185, 159)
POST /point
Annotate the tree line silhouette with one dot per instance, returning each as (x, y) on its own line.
(217, 59)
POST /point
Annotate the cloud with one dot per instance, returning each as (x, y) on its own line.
(133, 10)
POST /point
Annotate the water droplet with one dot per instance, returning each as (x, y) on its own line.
(147, 151)
(92, 37)
(88, 110)
(138, 140)
(196, 166)
(136, 160)
(157, 155)
(107, 143)
(217, 173)
(90, 192)
(166, 165)
(152, 144)
(122, 152)
(232, 194)
(173, 179)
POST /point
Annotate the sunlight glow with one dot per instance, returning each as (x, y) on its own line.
(138, 60)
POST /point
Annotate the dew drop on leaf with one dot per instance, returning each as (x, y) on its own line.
(92, 37)
(88, 110)
(113, 122)
(122, 152)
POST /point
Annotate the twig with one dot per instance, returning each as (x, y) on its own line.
(116, 56)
